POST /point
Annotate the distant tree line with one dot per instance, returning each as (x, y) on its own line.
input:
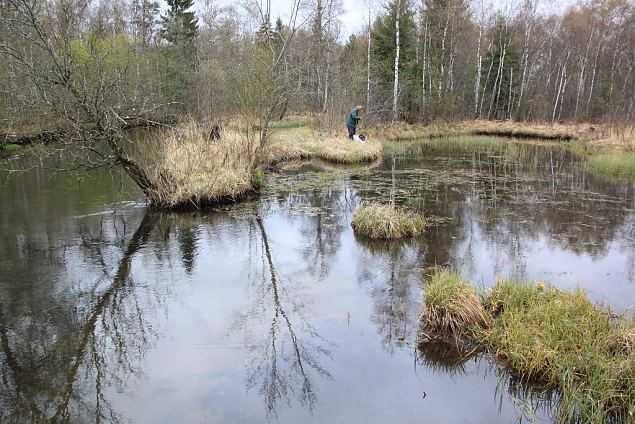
(109, 60)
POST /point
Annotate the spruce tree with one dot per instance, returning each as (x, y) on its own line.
(179, 24)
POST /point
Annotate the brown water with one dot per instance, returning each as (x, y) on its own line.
(273, 310)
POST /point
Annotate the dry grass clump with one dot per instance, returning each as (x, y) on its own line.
(379, 221)
(451, 306)
(189, 169)
(532, 130)
(301, 142)
(548, 336)
(342, 150)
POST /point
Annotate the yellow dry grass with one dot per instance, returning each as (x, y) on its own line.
(301, 142)
(379, 221)
(189, 169)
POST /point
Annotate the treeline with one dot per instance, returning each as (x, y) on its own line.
(416, 61)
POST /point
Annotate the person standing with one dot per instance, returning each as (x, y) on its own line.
(353, 120)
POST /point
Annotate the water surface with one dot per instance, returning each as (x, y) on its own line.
(274, 310)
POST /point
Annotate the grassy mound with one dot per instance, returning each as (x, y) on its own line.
(379, 221)
(451, 305)
(614, 164)
(190, 170)
(546, 335)
(298, 142)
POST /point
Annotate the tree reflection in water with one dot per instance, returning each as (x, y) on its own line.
(391, 269)
(283, 349)
(57, 362)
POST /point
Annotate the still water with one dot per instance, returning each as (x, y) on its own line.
(273, 311)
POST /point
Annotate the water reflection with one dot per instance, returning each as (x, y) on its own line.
(59, 356)
(110, 314)
(284, 351)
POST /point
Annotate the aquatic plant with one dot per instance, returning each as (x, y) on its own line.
(614, 164)
(451, 306)
(545, 335)
(382, 221)
(563, 340)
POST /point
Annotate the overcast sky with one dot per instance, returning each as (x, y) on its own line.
(355, 14)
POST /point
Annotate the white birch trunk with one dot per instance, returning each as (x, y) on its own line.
(395, 92)
(479, 64)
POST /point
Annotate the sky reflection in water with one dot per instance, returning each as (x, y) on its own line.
(275, 310)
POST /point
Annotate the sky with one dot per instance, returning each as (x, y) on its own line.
(355, 16)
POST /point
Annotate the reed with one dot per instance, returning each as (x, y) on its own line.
(613, 164)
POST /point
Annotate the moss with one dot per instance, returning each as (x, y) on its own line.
(379, 221)
(11, 147)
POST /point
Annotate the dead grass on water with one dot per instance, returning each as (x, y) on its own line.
(545, 335)
(381, 221)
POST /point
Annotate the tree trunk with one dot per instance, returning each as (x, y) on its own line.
(395, 92)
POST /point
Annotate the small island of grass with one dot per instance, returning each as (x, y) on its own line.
(380, 221)
(543, 335)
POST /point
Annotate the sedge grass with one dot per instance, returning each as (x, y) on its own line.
(297, 143)
(544, 335)
(614, 164)
(380, 221)
(451, 305)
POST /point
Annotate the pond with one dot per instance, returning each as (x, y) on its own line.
(273, 310)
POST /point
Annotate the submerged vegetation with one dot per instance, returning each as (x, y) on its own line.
(380, 221)
(547, 336)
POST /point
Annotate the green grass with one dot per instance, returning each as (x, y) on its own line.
(451, 306)
(379, 221)
(11, 147)
(548, 336)
(613, 164)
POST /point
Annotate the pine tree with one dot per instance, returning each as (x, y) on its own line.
(144, 13)
(179, 27)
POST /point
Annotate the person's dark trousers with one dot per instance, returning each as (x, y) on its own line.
(351, 131)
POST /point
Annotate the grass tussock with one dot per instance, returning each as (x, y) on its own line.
(563, 340)
(189, 169)
(379, 221)
(451, 306)
(614, 164)
(548, 336)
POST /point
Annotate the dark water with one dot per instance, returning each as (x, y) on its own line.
(274, 310)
